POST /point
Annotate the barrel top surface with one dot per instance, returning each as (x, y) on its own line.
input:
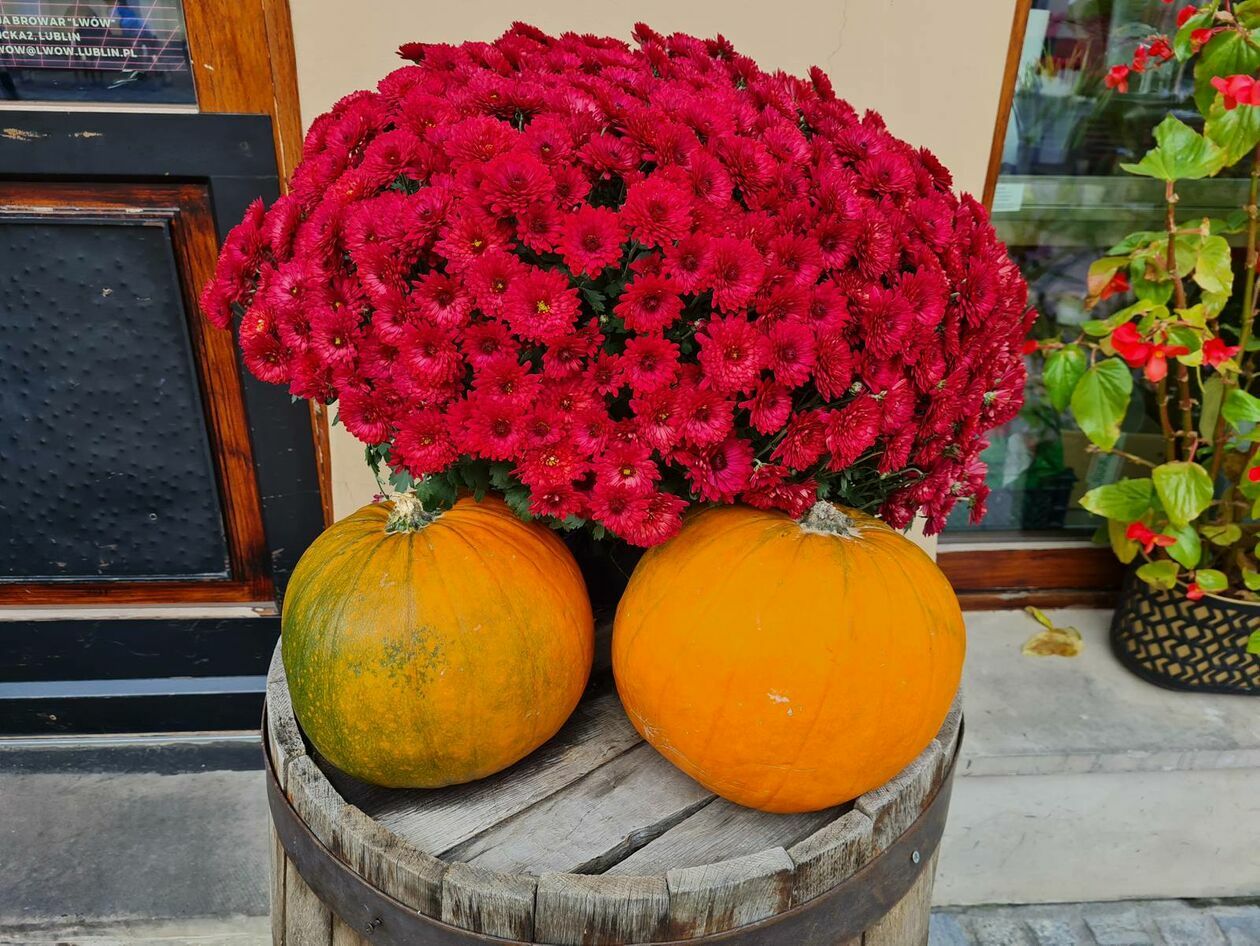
(594, 822)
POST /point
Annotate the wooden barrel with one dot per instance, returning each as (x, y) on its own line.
(594, 838)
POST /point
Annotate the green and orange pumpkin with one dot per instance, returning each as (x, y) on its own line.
(440, 651)
(788, 666)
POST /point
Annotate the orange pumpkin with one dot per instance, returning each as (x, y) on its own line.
(788, 666)
(440, 653)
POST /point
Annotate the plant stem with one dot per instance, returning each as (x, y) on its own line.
(1165, 423)
(1131, 457)
(1184, 400)
(1219, 435)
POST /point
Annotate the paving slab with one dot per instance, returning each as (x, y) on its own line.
(1056, 715)
(1241, 927)
(1190, 931)
(215, 931)
(1080, 781)
(88, 836)
(1053, 932)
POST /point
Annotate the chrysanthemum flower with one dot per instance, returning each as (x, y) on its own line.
(541, 306)
(650, 303)
(733, 353)
(591, 240)
(615, 275)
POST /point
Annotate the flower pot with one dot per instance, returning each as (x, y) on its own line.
(1171, 641)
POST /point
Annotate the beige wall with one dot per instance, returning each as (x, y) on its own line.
(933, 69)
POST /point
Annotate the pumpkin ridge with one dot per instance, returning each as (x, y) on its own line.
(321, 565)
(409, 571)
(326, 628)
(931, 618)
(464, 637)
(519, 626)
(816, 717)
(767, 531)
(644, 614)
(875, 548)
(331, 638)
(554, 549)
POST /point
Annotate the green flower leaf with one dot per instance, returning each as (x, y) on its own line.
(1125, 549)
(1134, 240)
(1124, 501)
(1252, 580)
(1221, 535)
(1184, 490)
(1213, 390)
(1209, 579)
(1187, 337)
(1161, 574)
(1247, 12)
(1181, 154)
(1253, 643)
(1235, 132)
(1062, 372)
(437, 492)
(1241, 407)
(1234, 222)
(1213, 270)
(1214, 302)
(1101, 272)
(1101, 399)
(1227, 54)
(1195, 315)
(1181, 42)
(1149, 290)
(1187, 550)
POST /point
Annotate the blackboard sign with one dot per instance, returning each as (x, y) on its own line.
(126, 51)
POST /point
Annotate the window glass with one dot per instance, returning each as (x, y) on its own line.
(1061, 201)
(119, 52)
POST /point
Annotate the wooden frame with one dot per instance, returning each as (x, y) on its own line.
(234, 159)
(1014, 577)
(243, 61)
(1043, 577)
(1006, 99)
(185, 209)
(245, 138)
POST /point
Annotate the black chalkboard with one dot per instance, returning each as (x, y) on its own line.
(105, 463)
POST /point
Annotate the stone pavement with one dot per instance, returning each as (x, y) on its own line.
(1132, 923)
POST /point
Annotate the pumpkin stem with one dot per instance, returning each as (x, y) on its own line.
(408, 514)
(826, 519)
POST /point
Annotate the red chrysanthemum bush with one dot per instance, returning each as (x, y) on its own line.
(610, 282)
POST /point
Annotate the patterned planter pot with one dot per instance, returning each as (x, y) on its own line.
(1173, 642)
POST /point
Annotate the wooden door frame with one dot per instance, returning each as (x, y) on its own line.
(183, 208)
(190, 666)
(244, 62)
(186, 666)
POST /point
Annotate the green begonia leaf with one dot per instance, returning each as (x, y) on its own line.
(1181, 154)
(1184, 489)
(1101, 399)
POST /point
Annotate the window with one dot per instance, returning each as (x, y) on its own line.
(1059, 200)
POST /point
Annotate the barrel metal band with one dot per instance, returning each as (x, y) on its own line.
(843, 912)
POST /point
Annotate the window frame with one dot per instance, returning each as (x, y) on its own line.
(1018, 574)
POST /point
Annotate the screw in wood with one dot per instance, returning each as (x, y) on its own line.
(371, 927)
(916, 857)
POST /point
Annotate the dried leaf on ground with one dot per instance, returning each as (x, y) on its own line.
(1052, 641)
